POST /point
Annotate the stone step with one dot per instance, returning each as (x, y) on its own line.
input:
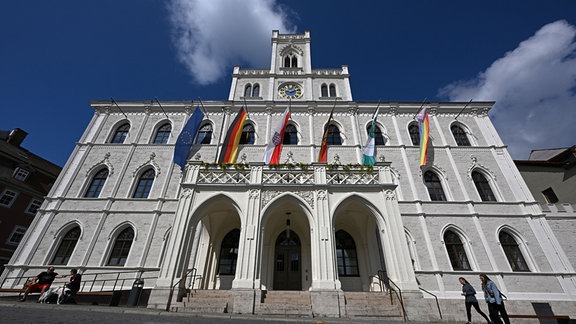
(287, 297)
(373, 311)
(283, 309)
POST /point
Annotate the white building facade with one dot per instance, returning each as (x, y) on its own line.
(322, 228)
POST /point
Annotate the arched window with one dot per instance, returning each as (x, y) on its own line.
(414, 131)
(256, 90)
(333, 136)
(97, 184)
(66, 247)
(144, 184)
(456, 251)
(287, 61)
(324, 90)
(121, 248)
(248, 90)
(378, 137)
(460, 136)
(512, 251)
(120, 134)
(346, 255)
(204, 134)
(248, 134)
(483, 187)
(294, 61)
(163, 134)
(290, 135)
(332, 90)
(434, 186)
(229, 253)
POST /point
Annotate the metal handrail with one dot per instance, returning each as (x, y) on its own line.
(178, 283)
(437, 304)
(381, 275)
(95, 284)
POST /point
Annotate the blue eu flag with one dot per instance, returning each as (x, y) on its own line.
(186, 138)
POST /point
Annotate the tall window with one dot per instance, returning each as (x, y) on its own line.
(378, 137)
(346, 255)
(290, 135)
(67, 246)
(120, 134)
(144, 184)
(332, 90)
(121, 248)
(333, 137)
(248, 90)
(414, 131)
(460, 136)
(229, 253)
(204, 134)
(434, 186)
(456, 251)
(290, 61)
(248, 134)
(324, 90)
(483, 187)
(163, 134)
(97, 184)
(513, 253)
(21, 174)
(34, 206)
(256, 90)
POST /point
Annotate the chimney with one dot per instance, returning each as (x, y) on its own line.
(16, 137)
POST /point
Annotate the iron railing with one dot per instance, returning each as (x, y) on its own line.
(384, 279)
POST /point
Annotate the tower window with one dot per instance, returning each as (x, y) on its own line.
(324, 90)
(550, 196)
(483, 187)
(332, 90)
(144, 184)
(414, 131)
(248, 134)
(204, 134)
(290, 135)
(460, 136)
(434, 186)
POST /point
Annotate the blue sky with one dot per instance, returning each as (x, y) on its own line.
(56, 56)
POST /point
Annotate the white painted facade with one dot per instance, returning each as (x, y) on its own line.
(387, 211)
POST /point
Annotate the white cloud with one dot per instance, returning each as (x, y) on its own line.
(534, 87)
(212, 35)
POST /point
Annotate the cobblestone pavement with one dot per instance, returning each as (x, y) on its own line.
(30, 312)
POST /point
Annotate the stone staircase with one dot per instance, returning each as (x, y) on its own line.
(203, 301)
(287, 303)
(371, 304)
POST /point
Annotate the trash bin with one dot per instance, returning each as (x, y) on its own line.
(137, 287)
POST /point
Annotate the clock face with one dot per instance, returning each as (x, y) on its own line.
(290, 90)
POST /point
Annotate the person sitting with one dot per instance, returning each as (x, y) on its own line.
(71, 287)
(41, 282)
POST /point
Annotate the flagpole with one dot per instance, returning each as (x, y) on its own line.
(416, 114)
(220, 136)
(461, 110)
(161, 107)
(246, 106)
(114, 101)
(202, 105)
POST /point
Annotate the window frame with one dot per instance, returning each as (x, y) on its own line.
(455, 249)
(37, 203)
(512, 250)
(290, 138)
(144, 184)
(19, 236)
(333, 135)
(433, 190)
(66, 246)
(93, 185)
(346, 261)
(11, 196)
(483, 186)
(227, 259)
(120, 132)
(21, 174)
(121, 253)
(206, 134)
(414, 133)
(248, 136)
(460, 135)
(162, 135)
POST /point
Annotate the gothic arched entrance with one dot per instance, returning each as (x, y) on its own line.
(287, 262)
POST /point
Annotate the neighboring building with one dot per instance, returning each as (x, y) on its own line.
(325, 230)
(25, 179)
(551, 175)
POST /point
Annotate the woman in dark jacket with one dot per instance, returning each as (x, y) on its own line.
(470, 300)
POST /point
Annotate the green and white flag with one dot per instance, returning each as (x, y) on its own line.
(369, 149)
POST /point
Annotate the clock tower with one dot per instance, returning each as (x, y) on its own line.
(290, 76)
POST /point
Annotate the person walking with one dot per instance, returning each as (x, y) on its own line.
(493, 297)
(470, 300)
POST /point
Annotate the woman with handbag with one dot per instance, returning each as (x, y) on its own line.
(494, 299)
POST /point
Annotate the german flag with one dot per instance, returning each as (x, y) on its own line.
(230, 146)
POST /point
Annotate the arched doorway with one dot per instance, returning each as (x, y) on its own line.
(287, 262)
